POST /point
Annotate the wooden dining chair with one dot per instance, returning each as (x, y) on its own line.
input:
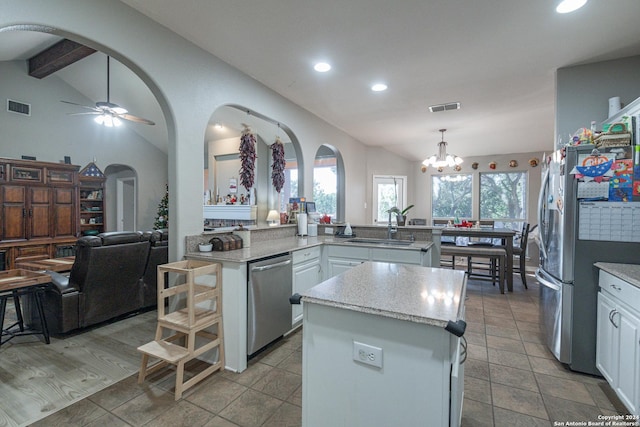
(520, 253)
(445, 260)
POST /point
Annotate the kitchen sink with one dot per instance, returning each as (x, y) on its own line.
(388, 242)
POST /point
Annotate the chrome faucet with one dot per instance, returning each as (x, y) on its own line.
(391, 230)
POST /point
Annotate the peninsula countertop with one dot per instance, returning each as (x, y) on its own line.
(263, 249)
(628, 272)
(426, 295)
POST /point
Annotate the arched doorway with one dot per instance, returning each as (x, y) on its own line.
(121, 198)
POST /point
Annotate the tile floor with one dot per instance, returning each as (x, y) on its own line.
(511, 379)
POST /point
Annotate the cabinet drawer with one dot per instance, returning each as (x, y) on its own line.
(304, 255)
(620, 289)
(348, 252)
(31, 251)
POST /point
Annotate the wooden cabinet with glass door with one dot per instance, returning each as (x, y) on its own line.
(92, 201)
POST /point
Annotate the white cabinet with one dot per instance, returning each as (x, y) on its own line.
(307, 273)
(340, 265)
(398, 256)
(342, 258)
(605, 359)
(618, 339)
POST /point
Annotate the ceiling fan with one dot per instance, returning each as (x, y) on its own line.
(108, 113)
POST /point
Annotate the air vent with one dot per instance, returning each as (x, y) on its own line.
(18, 107)
(444, 107)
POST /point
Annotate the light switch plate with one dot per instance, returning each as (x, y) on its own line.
(367, 354)
(328, 230)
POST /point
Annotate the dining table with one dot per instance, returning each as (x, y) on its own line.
(59, 265)
(15, 284)
(504, 234)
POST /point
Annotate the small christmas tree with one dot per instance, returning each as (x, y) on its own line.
(162, 219)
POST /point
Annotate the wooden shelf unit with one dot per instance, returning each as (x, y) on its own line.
(92, 199)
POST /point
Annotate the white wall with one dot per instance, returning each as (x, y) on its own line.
(380, 163)
(583, 91)
(50, 133)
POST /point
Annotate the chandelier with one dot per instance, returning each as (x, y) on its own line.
(443, 158)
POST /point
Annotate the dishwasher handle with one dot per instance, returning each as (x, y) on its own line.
(270, 266)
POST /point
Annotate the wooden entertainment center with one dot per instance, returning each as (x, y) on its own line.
(40, 209)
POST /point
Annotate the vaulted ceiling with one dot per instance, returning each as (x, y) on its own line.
(496, 57)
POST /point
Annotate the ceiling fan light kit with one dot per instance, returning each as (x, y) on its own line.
(108, 113)
(442, 159)
(568, 6)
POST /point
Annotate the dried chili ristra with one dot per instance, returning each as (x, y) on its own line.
(278, 165)
(247, 158)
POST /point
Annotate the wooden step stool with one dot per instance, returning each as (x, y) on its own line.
(203, 310)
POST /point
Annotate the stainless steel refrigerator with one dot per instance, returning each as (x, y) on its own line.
(571, 240)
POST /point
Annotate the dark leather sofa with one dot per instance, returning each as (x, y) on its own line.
(158, 255)
(112, 275)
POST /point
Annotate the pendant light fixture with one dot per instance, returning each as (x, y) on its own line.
(443, 158)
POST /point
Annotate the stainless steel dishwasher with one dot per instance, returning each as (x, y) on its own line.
(268, 307)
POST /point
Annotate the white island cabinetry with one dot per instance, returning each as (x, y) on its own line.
(341, 258)
(618, 335)
(375, 348)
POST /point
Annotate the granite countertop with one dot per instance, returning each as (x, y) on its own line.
(627, 272)
(277, 246)
(426, 295)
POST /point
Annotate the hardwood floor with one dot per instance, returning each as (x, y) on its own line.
(37, 380)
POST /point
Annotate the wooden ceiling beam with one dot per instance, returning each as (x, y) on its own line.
(58, 56)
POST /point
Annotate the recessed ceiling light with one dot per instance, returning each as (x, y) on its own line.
(218, 126)
(379, 87)
(566, 6)
(322, 67)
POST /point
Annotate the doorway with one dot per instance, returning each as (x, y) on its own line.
(126, 204)
(388, 191)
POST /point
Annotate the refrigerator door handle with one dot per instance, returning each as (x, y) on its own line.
(546, 282)
(542, 228)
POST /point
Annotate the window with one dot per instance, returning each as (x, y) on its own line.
(388, 191)
(290, 188)
(325, 182)
(451, 196)
(503, 197)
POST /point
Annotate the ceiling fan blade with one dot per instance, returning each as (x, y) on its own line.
(80, 105)
(84, 114)
(136, 119)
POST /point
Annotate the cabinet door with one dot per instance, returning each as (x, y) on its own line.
(39, 212)
(628, 328)
(606, 344)
(340, 265)
(64, 222)
(13, 212)
(305, 277)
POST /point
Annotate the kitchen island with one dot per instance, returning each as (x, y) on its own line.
(376, 351)
(235, 276)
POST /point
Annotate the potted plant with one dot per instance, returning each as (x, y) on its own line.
(401, 216)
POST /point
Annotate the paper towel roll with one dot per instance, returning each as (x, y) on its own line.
(312, 229)
(614, 105)
(302, 224)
